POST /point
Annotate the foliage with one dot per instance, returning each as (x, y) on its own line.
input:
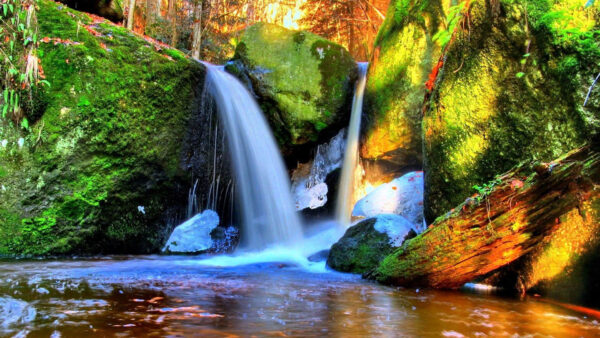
(18, 58)
(455, 14)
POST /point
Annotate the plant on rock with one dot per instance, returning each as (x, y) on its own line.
(18, 59)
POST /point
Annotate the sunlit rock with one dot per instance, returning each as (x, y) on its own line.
(365, 244)
(302, 81)
(402, 196)
(15, 312)
(193, 236)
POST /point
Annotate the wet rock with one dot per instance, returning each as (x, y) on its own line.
(319, 256)
(311, 182)
(193, 236)
(224, 239)
(15, 312)
(402, 196)
(365, 244)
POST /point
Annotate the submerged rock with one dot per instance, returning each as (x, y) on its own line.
(365, 244)
(15, 312)
(193, 236)
(402, 196)
(303, 82)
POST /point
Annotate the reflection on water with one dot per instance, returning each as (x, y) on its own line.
(175, 296)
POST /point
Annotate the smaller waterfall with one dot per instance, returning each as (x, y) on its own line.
(346, 188)
(268, 212)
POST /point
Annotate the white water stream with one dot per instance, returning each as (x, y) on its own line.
(269, 216)
(347, 179)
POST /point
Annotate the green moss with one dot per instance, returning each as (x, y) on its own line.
(107, 140)
(405, 56)
(483, 119)
(361, 249)
(306, 92)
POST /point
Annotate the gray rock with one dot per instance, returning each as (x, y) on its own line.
(193, 236)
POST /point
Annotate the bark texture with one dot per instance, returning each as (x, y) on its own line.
(511, 218)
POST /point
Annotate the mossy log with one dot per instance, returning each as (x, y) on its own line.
(489, 231)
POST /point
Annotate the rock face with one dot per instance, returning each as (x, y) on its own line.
(303, 82)
(309, 185)
(402, 196)
(101, 168)
(511, 89)
(110, 9)
(364, 245)
(404, 56)
(193, 236)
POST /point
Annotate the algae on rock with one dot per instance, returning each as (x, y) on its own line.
(99, 171)
(304, 83)
(405, 53)
(511, 89)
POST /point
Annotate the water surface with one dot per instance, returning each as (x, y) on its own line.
(179, 296)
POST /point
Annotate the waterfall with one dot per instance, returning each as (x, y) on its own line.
(346, 188)
(262, 182)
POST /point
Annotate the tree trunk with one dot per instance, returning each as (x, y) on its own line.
(173, 18)
(489, 231)
(130, 15)
(152, 12)
(197, 29)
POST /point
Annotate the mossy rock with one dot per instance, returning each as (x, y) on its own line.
(366, 244)
(99, 170)
(404, 56)
(511, 89)
(304, 83)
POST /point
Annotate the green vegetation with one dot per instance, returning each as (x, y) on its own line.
(405, 54)
(512, 89)
(104, 138)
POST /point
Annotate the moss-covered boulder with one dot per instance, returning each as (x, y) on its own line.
(404, 56)
(514, 78)
(100, 168)
(304, 83)
(367, 243)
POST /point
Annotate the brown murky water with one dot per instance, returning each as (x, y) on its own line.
(177, 296)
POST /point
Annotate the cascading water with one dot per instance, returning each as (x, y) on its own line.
(267, 206)
(346, 187)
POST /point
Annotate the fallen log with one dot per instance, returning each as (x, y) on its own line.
(509, 219)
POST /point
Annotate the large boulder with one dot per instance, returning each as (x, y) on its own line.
(303, 82)
(403, 196)
(367, 243)
(514, 79)
(404, 55)
(104, 165)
